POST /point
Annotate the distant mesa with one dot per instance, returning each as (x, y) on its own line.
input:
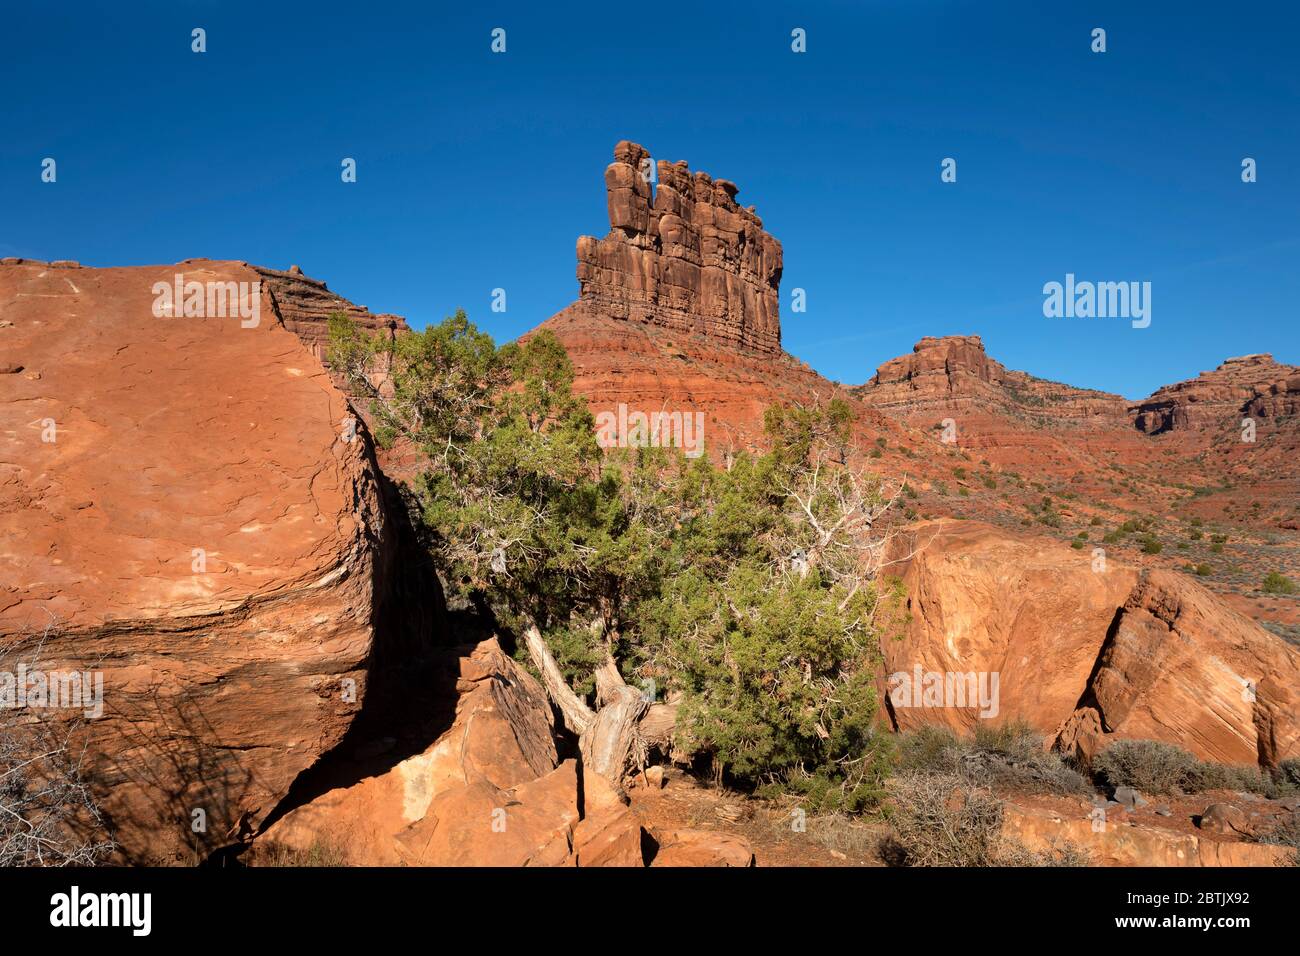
(1249, 386)
(950, 371)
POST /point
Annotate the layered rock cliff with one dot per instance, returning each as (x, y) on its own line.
(683, 255)
(1251, 386)
(954, 372)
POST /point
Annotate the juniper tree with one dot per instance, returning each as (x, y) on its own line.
(744, 595)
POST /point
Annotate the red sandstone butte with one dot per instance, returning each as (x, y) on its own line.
(691, 259)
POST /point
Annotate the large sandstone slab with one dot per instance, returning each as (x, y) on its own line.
(199, 530)
(1124, 844)
(1088, 652)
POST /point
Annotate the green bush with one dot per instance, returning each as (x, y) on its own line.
(713, 581)
(1151, 545)
(1278, 583)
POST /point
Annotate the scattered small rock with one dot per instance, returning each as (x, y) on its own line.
(1129, 797)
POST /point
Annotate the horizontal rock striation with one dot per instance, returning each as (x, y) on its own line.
(955, 372)
(305, 306)
(683, 256)
(1252, 386)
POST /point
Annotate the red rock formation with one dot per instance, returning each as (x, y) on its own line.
(490, 791)
(1250, 385)
(197, 529)
(1179, 666)
(954, 373)
(305, 306)
(653, 369)
(1087, 656)
(690, 260)
(1121, 843)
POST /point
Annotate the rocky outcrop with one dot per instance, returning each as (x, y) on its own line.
(1086, 652)
(653, 369)
(305, 305)
(954, 372)
(1133, 844)
(1252, 386)
(683, 255)
(500, 739)
(1177, 665)
(490, 791)
(183, 515)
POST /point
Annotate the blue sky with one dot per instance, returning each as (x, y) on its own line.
(478, 171)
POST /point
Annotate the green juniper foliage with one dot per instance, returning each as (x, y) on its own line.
(745, 593)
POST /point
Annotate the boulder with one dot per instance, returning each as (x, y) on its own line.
(608, 837)
(701, 848)
(1085, 655)
(195, 528)
(479, 824)
(499, 739)
(1224, 818)
(1129, 798)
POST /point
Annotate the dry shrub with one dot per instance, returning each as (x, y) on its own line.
(941, 820)
(1160, 768)
(1006, 756)
(1285, 833)
(323, 851)
(48, 816)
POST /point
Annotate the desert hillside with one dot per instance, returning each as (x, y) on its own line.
(266, 530)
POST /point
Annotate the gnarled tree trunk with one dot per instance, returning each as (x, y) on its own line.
(610, 738)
